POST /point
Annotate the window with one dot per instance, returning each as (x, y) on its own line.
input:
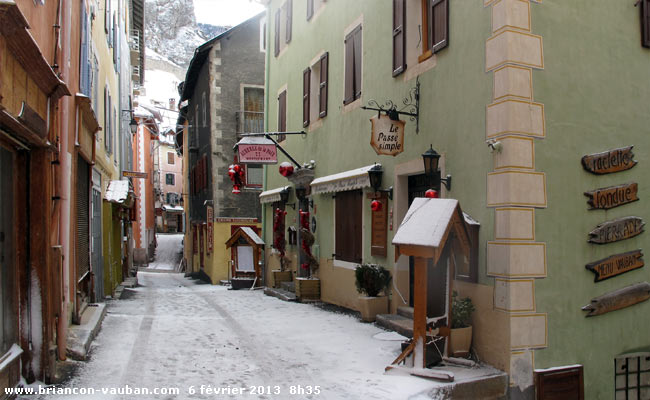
(348, 226)
(204, 105)
(169, 179)
(632, 376)
(436, 19)
(254, 175)
(170, 158)
(263, 35)
(353, 65)
(108, 122)
(399, 37)
(313, 6)
(252, 118)
(107, 13)
(315, 87)
(84, 57)
(645, 23)
(283, 19)
(282, 115)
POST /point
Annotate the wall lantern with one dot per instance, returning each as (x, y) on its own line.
(133, 125)
(284, 197)
(431, 170)
(375, 174)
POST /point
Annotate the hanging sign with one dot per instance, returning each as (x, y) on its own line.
(257, 150)
(618, 299)
(613, 196)
(135, 174)
(210, 218)
(609, 161)
(387, 136)
(615, 265)
(618, 229)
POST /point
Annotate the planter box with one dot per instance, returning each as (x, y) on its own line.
(371, 306)
(281, 276)
(308, 289)
(460, 342)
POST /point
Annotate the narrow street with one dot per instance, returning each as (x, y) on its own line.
(175, 333)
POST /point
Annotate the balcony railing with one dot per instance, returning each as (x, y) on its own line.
(250, 122)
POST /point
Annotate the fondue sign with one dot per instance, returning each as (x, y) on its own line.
(387, 136)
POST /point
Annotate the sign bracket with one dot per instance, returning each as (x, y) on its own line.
(411, 106)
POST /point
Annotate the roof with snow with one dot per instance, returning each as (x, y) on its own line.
(428, 223)
(248, 234)
(118, 192)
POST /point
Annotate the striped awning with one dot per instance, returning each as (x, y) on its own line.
(273, 195)
(343, 181)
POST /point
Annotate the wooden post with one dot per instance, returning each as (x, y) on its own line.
(420, 312)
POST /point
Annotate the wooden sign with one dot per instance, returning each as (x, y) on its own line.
(210, 217)
(609, 161)
(616, 300)
(615, 265)
(387, 136)
(613, 196)
(135, 174)
(618, 229)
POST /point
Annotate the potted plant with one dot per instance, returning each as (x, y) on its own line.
(461, 330)
(372, 279)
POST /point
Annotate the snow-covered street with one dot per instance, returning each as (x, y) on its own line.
(172, 332)
(168, 252)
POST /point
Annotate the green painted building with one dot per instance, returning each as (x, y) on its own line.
(512, 94)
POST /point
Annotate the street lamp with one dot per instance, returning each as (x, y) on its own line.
(134, 126)
(375, 174)
(431, 170)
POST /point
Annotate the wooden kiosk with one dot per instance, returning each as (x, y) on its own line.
(432, 230)
(245, 265)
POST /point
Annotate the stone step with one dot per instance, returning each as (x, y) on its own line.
(397, 323)
(280, 294)
(288, 286)
(405, 311)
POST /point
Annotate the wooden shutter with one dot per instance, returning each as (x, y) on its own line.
(306, 76)
(282, 114)
(349, 69)
(322, 93)
(170, 157)
(310, 9)
(439, 17)
(645, 23)
(348, 226)
(399, 37)
(289, 17)
(379, 234)
(357, 63)
(277, 32)
(560, 383)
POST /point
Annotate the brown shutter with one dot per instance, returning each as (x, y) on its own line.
(322, 94)
(440, 28)
(399, 37)
(306, 76)
(560, 383)
(310, 9)
(645, 23)
(357, 63)
(289, 17)
(282, 117)
(349, 69)
(277, 32)
(348, 226)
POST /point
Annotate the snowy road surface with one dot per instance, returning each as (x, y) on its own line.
(175, 333)
(168, 252)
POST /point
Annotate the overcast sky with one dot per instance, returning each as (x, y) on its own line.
(225, 12)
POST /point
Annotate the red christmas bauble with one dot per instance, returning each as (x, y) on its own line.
(236, 189)
(286, 169)
(431, 194)
(236, 168)
(375, 205)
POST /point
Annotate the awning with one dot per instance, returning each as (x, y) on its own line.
(343, 181)
(120, 192)
(168, 208)
(271, 196)
(254, 140)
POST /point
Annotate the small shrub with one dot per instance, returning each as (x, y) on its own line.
(372, 279)
(461, 311)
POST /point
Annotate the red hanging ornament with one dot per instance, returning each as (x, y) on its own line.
(236, 167)
(286, 169)
(304, 266)
(375, 205)
(236, 189)
(431, 194)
